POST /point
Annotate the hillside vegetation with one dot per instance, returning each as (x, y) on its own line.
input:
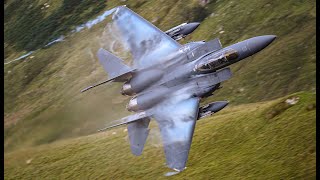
(265, 140)
(42, 99)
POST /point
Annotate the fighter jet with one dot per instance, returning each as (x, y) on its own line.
(167, 81)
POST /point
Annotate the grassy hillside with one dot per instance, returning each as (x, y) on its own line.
(265, 140)
(41, 93)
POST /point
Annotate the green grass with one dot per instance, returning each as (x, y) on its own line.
(31, 25)
(240, 142)
(42, 99)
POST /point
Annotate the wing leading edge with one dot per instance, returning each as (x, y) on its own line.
(147, 43)
(177, 123)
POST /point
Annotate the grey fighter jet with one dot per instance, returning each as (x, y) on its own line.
(167, 80)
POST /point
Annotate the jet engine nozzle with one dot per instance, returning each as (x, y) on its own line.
(133, 105)
(127, 89)
(141, 81)
(146, 100)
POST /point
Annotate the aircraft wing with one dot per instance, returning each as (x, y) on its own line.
(176, 123)
(147, 44)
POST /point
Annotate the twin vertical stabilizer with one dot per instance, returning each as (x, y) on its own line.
(138, 130)
(113, 65)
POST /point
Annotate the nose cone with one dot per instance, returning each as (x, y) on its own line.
(258, 43)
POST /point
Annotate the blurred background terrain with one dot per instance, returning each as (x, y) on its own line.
(47, 119)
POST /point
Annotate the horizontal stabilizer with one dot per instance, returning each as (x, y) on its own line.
(90, 87)
(113, 65)
(121, 78)
(126, 120)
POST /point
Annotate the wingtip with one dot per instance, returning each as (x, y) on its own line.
(176, 171)
(86, 89)
(179, 170)
(100, 130)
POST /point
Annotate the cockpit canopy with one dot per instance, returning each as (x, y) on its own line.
(231, 55)
(219, 60)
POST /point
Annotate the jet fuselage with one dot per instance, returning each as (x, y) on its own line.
(199, 76)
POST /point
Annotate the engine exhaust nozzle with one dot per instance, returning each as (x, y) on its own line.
(133, 105)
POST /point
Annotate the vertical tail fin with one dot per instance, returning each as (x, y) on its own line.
(138, 132)
(113, 65)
